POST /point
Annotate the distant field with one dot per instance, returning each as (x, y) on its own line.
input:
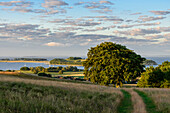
(55, 74)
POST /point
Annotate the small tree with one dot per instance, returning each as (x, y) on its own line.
(156, 77)
(110, 63)
(60, 72)
(25, 68)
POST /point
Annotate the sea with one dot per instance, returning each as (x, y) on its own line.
(18, 65)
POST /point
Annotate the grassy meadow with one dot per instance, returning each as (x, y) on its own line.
(29, 98)
(161, 98)
(26, 93)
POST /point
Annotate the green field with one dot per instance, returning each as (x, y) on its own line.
(55, 74)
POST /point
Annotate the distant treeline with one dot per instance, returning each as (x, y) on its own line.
(149, 62)
(70, 60)
(51, 69)
(24, 59)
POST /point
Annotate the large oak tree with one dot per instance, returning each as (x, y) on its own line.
(111, 63)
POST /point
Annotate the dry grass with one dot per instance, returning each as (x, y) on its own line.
(67, 85)
(74, 75)
(160, 96)
(138, 104)
(62, 84)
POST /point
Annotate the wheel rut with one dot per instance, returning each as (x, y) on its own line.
(138, 104)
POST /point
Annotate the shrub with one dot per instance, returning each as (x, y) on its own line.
(156, 77)
(60, 72)
(35, 71)
(8, 70)
(44, 74)
(25, 68)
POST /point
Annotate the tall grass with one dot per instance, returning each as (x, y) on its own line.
(161, 98)
(29, 98)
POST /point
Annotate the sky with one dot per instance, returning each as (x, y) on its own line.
(71, 27)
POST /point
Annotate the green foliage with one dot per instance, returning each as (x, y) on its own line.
(25, 68)
(156, 77)
(5, 59)
(35, 71)
(40, 69)
(149, 62)
(65, 69)
(110, 63)
(72, 60)
(60, 72)
(44, 74)
(30, 59)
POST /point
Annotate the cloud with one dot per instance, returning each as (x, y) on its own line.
(56, 44)
(160, 12)
(50, 7)
(83, 40)
(137, 13)
(145, 19)
(18, 31)
(143, 32)
(136, 32)
(57, 21)
(99, 7)
(68, 29)
(106, 2)
(83, 23)
(104, 11)
(53, 3)
(112, 19)
(144, 24)
(154, 37)
(17, 3)
(99, 29)
(80, 3)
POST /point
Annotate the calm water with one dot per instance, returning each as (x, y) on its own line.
(18, 65)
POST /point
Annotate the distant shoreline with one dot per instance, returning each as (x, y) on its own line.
(45, 62)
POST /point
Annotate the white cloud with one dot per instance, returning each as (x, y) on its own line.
(160, 12)
(145, 19)
(53, 3)
(56, 44)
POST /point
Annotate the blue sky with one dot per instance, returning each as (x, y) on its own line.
(71, 27)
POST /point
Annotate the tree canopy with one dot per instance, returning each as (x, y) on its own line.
(156, 77)
(111, 63)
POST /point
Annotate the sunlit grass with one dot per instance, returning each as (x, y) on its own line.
(29, 98)
(161, 98)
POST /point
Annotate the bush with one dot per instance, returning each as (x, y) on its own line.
(156, 77)
(44, 75)
(25, 68)
(35, 71)
(60, 72)
(8, 70)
